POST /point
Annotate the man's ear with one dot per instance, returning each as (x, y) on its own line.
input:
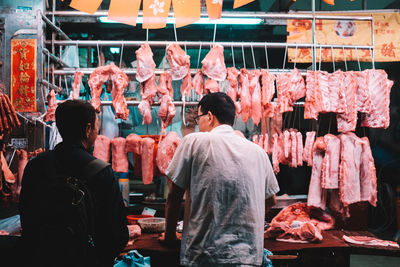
(88, 129)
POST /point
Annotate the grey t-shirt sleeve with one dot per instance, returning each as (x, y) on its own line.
(179, 169)
(271, 184)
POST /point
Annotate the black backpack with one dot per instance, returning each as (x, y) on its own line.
(67, 216)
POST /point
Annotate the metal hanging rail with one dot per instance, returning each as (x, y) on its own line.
(137, 102)
(203, 44)
(261, 15)
(129, 71)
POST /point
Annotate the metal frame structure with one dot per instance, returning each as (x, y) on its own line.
(136, 43)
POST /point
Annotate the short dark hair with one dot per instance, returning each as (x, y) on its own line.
(72, 116)
(220, 105)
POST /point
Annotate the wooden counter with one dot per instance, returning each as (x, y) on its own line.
(332, 251)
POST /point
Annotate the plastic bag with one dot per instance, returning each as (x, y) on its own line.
(70, 56)
(133, 259)
(266, 261)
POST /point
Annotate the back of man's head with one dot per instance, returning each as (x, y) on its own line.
(220, 105)
(72, 117)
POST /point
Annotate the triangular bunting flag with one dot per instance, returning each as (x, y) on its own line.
(88, 6)
(214, 8)
(124, 11)
(155, 13)
(186, 12)
(239, 3)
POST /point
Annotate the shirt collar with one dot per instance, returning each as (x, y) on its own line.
(222, 129)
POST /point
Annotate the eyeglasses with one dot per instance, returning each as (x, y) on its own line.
(196, 119)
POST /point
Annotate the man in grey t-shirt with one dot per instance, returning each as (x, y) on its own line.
(230, 184)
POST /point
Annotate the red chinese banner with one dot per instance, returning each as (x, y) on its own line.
(124, 11)
(23, 74)
(347, 32)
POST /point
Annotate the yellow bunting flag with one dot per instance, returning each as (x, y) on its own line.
(214, 8)
(330, 2)
(155, 13)
(88, 6)
(124, 11)
(186, 12)
(239, 3)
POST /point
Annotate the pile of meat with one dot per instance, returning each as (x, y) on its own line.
(369, 241)
(299, 223)
(119, 81)
(152, 155)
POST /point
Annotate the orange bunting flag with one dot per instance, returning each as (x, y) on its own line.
(330, 2)
(124, 11)
(214, 9)
(186, 12)
(239, 3)
(155, 13)
(88, 6)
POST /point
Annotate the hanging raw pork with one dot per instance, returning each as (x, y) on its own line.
(96, 80)
(148, 89)
(102, 148)
(179, 61)
(51, 108)
(198, 83)
(186, 86)
(134, 144)
(166, 150)
(347, 121)
(255, 91)
(145, 110)
(214, 64)
(245, 96)
(145, 63)
(165, 84)
(268, 87)
(147, 160)
(211, 86)
(119, 155)
(379, 87)
(76, 85)
(119, 82)
(290, 87)
(232, 77)
(166, 112)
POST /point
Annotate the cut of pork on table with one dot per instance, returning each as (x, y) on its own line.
(119, 155)
(179, 61)
(299, 223)
(198, 83)
(102, 148)
(268, 87)
(51, 108)
(166, 150)
(214, 64)
(255, 91)
(245, 96)
(145, 63)
(379, 87)
(369, 241)
(147, 160)
(76, 85)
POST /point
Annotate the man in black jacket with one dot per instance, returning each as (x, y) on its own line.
(78, 125)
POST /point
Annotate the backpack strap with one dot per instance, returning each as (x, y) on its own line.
(94, 167)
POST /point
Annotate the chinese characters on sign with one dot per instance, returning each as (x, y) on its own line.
(23, 74)
(347, 32)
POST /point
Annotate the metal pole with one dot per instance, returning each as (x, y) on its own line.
(314, 67)
(55, 58)
(261, 15)
(54, 27)
(197, 44)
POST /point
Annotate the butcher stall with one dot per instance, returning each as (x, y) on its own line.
(315, 85)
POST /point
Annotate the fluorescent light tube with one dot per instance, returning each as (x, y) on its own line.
(202, 21)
